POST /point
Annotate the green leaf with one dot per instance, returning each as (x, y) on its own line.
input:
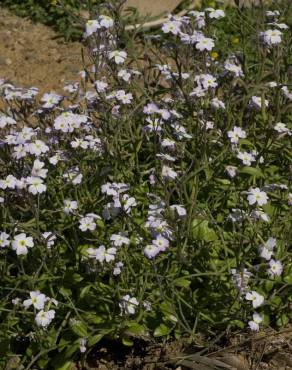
(269, 285)
(282, 320)
(256, 172)
(202, 231)
(95, 339)
(162, 330)
(238, 323)
(65, 357)
(127, 342)
(182, 282)
(84, 292)
(69, 365)
(135, 329)
(79, 328)
(276, 300)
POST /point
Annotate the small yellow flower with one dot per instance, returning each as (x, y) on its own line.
(214, 55)
(235, 40)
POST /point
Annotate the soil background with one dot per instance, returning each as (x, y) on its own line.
(34, 55)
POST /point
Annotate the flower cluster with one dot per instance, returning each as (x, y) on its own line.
(149, 189)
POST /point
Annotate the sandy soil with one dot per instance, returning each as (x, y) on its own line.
(34, 55)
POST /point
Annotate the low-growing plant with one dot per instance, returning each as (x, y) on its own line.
(60, 15)
(151, 200)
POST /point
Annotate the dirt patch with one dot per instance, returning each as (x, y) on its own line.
(268, 350)
(34, 55)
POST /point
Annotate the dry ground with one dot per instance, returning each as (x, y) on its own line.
(34, 55)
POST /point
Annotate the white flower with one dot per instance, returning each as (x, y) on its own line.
(15, 301)
(68, 121)
(118, 56)
(154, 125)
(20, 151)
(123, 97)
(237, 215)
(271, 37)
(161, 243)
(150, 108)
(231, 171)
(206, 81)
(180, 131)
(44, 318)
(241, 280)
(125, 75)
(168, 143)
(235, 134)
(282, 128)
(266, 253)
(4, 239)
(82, 345)
(55, 159)
(102, 254)
(151, 251)
(37, 148)
(282, 26)
(114, 188)
(21, 242)
(246, 158)
(125, 202)
(6, 120)
(217, 104)
(271, 243)
(74, 176)
(215, 13)
(106, 21)
(9, 182)
(100, 86)
(128, 305)
(171, 27)
(267, 250)
(118, 268)
(272, 84)
(256, 102)
(91, 27)
(290, 199)
(180, 210)
(70, 206)
(199, 18)
(257, 196)
(87, 223)
(38, 169)
(276, 268)
(256, 320)
(118, 240)
(71, 88)
(258, 214)
(168, 173)
(205, 43)
(36, 185)
(49, 238)
(37, 299)
(233, 68)
(256, 298)
(51, 100)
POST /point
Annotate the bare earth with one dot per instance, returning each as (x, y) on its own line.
(34, 55)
